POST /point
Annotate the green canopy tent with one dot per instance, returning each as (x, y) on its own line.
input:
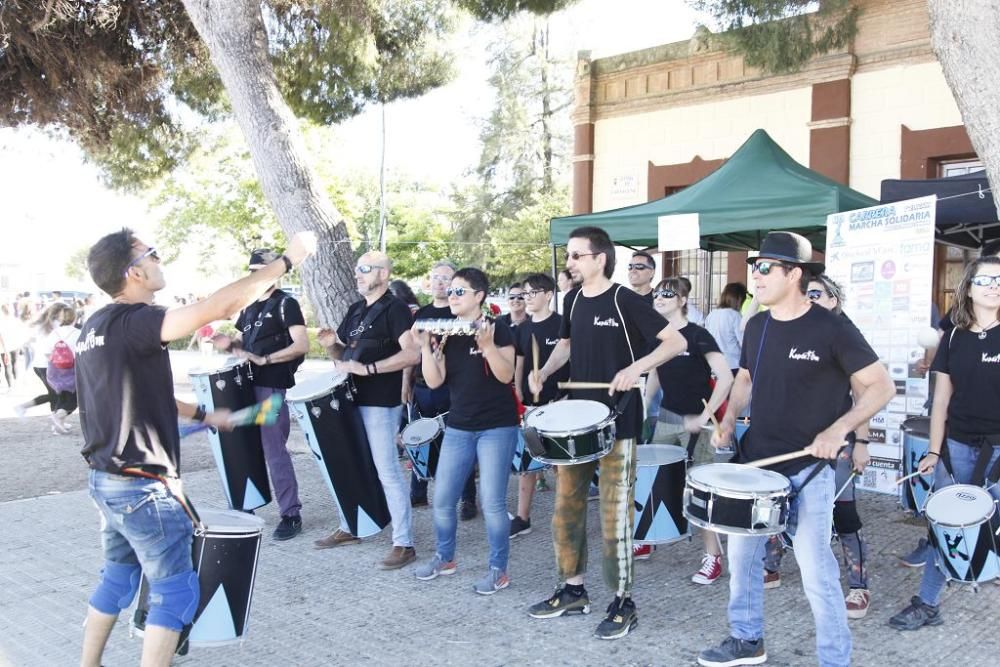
(757, 190)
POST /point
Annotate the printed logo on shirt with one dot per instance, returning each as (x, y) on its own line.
(808, 355)
(551, 342)
(475, 351)
(610, 322)
(995, 359)
(89, 342)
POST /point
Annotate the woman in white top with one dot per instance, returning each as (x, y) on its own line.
(53, 326)
(724, 323)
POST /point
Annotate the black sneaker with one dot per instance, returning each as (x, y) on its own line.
(519, 526)
(620, 620)
(419, 502)
(732, 652)
(468, 511)
(916, 616)
(289, 527)
(561, 602)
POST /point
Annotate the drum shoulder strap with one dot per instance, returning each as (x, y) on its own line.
(628, 340)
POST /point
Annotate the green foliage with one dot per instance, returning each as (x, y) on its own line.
(76, 264)
(501, 10)
(520, 245)
(782, 35)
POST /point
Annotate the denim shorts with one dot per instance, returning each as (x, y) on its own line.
(142, 523)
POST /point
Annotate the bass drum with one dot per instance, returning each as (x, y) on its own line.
(914, 492)
(659, 494)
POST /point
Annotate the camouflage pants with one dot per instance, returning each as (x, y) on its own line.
(569, 520)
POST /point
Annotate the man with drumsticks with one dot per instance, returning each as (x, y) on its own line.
(128, 415)
(373, 345)
(797, 359)
(605, 327)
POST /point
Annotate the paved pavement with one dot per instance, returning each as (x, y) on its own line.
(334, 607)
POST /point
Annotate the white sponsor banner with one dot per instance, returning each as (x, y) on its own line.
(678, 232)
(883, 257)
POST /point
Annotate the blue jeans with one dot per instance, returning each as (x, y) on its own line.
(963, 463)
(381, 426)
(812, 508)
(429, 402)
(494, 449)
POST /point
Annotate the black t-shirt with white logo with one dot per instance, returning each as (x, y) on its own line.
(684, 378)
(379, 340)
(973, 366)
(430, 312)
(125, 388)
(801, 371)
(546, 333)
(601, 344)
(511, 324)
(478, 400)
(271, 317)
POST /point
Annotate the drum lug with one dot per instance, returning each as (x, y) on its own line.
(316, 411)
(220, 384)
(765, 511)
(238, 379)
(335, 404)
(571, 443)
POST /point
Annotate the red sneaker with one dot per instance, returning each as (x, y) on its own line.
(711, 569)
(642, 551)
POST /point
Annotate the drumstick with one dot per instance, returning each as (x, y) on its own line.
(534, 360)
(264, 413)
(781, 458)
(910, 476)
(854, 473)
(718, 429)
(589, 385)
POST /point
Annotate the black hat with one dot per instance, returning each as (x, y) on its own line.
(789, 248)
(262, 257)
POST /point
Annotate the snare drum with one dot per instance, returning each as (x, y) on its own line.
(962, 523)
(913, 493)
(659, 494)
(324, 407)
(737, 499)
(422, 441)
(239, 454)
(569, 432)
(524, 462)
(225, 558)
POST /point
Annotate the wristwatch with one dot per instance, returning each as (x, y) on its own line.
(288, 263)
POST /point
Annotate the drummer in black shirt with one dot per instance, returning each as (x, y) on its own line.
(515, 302)
(798, 362)
(433, 402)
(541, 328)
(607, 327)
(128, 415)
(373, 345)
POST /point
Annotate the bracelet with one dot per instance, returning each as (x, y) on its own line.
(937, 454)
(288, 263)
(267, 359)
(374, 369)
(862, 441)
(368, 369)
(199, 414)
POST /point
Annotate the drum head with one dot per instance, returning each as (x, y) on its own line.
(314, 386)
(918, 426)
(420, 430)
(572, 416)
(224, 365)
(658, 455)
(230, 521)
(959, 505)
(736, 477)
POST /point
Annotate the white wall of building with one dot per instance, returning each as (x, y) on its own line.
(624, 146)
(913, 95)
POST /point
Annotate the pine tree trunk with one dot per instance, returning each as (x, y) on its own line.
(547, 168)
(964, 37)
(234, 32)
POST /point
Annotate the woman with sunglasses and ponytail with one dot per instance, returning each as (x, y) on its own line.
(966, 396)
(482, 426)
(686, 383)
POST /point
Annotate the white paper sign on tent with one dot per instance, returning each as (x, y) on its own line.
(678, 232)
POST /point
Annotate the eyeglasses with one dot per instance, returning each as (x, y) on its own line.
(150, 252)
(367, 268)
(532, 293)
(440, 277)
(516, 297)
(575, 256)
(639, 267)
(814, 294)
(664, 293)
(984, 280)
(764, 267)
(459, 291)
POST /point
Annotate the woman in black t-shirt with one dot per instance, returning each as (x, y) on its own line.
(966, 396)
(482, 426)
(686, 383)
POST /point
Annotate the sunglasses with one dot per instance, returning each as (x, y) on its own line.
(664, 293)
(516, 297)
(575, 256)
(459, 291)
(983, 280)
(765, 267)
(367, 268)
(639, 267)
(150, 252)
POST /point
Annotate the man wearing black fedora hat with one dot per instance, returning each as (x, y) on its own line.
(797, 358)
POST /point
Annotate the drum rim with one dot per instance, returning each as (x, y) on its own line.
(641, 448)
(214, 529)
(312, 397)
(592, 428)
(732, 493)
(580, 459)
(989, 515)
(201, 371)
(402, 433)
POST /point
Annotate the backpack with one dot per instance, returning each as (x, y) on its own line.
(62, 356)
